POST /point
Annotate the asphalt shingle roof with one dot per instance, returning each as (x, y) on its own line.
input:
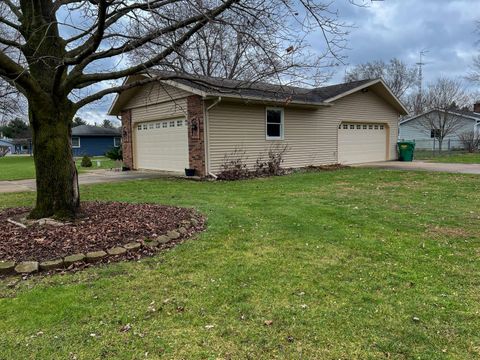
(89, 130)
(259, 90)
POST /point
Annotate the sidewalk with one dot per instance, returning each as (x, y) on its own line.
(91, 177)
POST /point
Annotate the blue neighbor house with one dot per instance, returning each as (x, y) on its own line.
(94, 140)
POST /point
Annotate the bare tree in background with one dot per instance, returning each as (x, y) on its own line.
(474, 74)
(399, 77)
(64, 54)
(444, 98)
(237, 45)
(10, 101)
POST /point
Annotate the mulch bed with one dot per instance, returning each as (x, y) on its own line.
(100, 226)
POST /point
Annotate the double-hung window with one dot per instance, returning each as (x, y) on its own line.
(274, 123)
(117, 141)
(75, 142)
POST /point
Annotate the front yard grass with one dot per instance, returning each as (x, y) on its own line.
(448, 157)
(351, 264)
(22, 167)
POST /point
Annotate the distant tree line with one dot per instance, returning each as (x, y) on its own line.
(18, 128)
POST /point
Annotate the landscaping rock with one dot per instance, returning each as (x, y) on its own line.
(186, 223)
(26, 267)
(116, 251)
(69, 260)
(51, 264)
(163, 239)
(152, 244)
(194, 221)
(132, 245)
(172, 234)
(95, 256)
(6, 267)
(182, 230)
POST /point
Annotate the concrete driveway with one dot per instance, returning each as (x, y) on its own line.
(425, 166)
(91, 177)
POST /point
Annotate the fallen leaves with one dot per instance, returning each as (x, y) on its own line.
(100, 225)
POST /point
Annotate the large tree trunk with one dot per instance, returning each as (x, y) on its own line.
(56, 174)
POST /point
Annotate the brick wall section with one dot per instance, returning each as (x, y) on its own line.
(196, 138)
(127, 148)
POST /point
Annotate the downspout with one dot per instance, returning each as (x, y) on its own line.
(207, 135)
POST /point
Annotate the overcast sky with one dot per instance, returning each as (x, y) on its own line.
(397, 28)
(402, 28)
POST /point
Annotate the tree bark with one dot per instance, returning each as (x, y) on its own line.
(56, 173)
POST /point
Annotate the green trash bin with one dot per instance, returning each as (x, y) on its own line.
(405, 150)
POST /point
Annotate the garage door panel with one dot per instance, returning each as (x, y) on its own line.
(359, 143)
(161, 145)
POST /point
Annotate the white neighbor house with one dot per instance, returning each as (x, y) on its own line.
(413, 128)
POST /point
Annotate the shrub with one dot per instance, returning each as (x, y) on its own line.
(273, 164)
(234, 166)
(86, 162)
(470, 141)
(115, 153)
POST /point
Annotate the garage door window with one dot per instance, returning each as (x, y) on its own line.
(275, 119)
(139, 127)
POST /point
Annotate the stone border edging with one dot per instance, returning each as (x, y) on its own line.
(31, 267)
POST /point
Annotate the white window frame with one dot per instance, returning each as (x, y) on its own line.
(282, 123)
(117, 141)
(78, 146)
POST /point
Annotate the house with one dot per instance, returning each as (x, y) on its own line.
(22, 146)
(195, 122)
(8, 143)
(94, 140)
(417, 127)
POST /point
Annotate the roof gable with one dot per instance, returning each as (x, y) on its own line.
(472, 117)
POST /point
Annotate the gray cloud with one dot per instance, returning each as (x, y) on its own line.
(401, 28)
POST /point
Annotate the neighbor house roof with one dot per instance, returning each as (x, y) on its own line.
(7, 141)
(89, 130)
(260, 91)
(469, 115)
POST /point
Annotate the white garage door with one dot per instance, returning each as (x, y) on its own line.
(360, 143)
(161, 145)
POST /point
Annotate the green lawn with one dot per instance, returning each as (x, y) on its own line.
(448, 157)
(351, 264)
(22, 167)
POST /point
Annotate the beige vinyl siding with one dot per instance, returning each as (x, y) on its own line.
(155, 93)
(158, 101)
(170, 109)
(311, 134)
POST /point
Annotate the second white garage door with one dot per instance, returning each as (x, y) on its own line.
(361, 143)
(161, 145)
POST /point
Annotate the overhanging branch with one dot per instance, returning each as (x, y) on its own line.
(80, 81)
